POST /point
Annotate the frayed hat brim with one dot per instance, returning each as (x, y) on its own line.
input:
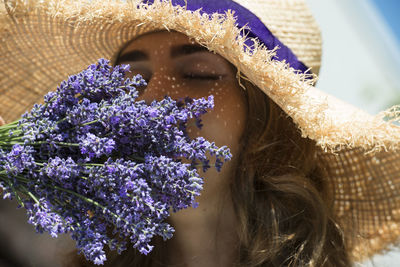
(42, 42)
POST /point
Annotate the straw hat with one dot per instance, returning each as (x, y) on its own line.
(43, 41)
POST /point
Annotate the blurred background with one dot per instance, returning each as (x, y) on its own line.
(361, 52)
(361, 62)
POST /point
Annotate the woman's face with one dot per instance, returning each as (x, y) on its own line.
(174, 65)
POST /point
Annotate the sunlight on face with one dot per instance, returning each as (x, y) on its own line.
(174, 65)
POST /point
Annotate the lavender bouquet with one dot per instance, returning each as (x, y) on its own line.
(95, 162)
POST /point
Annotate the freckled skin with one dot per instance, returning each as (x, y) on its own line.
(178, 78)
(225, 123)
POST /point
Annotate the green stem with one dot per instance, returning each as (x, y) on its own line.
(88, 200)
(9, 125)
(12, 186)
(136, 158)
(16, 132)
(32, 196)
(90, 122)
(8, 144)
(92, 165)
(57, 143)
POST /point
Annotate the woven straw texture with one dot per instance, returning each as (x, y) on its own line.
(42, 42)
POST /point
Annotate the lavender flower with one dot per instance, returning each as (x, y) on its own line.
(94, 158)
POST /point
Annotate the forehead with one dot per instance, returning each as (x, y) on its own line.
(158, 40)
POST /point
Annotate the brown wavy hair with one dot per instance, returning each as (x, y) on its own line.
(280, 198)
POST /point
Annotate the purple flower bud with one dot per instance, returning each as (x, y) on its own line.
(93, 158)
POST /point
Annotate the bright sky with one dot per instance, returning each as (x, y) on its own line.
(361, 56)
(390, 10)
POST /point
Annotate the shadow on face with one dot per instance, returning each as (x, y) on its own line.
(176, 66)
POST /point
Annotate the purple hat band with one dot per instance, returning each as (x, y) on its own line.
(246, 17)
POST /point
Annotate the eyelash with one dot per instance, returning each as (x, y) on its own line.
(195, 76)
(147, 75)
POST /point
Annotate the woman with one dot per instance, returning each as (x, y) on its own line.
(299, 190)
(222, 230)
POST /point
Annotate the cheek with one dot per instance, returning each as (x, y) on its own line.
(164, 85)
(223, 125)
(226, 122)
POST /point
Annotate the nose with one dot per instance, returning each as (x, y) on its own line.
(159, 85)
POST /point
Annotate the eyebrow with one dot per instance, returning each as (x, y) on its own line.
(134, 55)
(183, 50)
(176, 51)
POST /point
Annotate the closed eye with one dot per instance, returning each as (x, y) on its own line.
(202, 76)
